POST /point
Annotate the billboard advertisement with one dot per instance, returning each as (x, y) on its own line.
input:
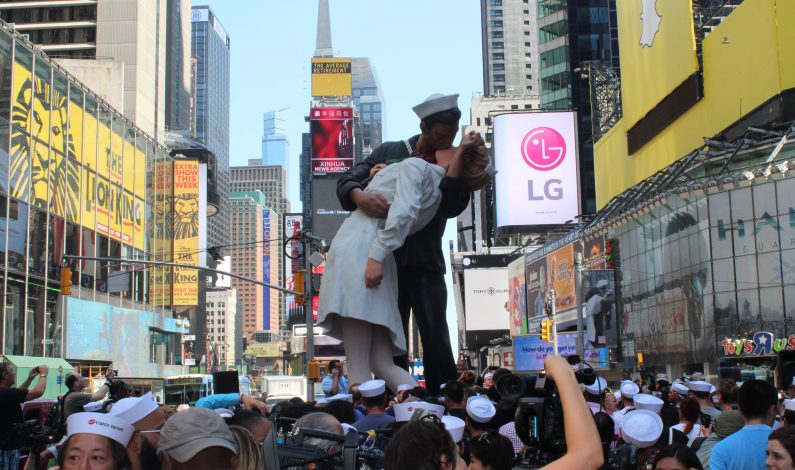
(331, 76)
(266, 269)
(327, 214)
(560, 277)
(536, 279)
(486, 299)
(332, 139)
(530, 351)
(292, 224)
(599, 295)
(537, 181)
(517, 297)
(186, 231)
(593, 253)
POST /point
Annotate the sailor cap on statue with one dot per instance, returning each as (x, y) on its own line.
(93, 406)
(134, 409)
(629, 389)
(597, 387)
(403, 387)
(372, 388)
(342, 396)
(642, 428)
(681, 389)
(100, 424)
(480, 409)
(789, 404)
(699, 386)
(404, 411)
(455, 426)
(644, 401)
(435, 103)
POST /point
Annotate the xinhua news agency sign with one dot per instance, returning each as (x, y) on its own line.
(763, 343)
(537, 180)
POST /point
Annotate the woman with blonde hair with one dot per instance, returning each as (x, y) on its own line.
(248, 453)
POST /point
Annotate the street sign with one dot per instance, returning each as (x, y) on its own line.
(59, 379)
(190, 362)
(188, 337)
(300, 330)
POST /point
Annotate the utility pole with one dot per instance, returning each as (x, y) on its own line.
(550, 298)
(578, 299)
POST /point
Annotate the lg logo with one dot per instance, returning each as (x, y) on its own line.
(544, 149)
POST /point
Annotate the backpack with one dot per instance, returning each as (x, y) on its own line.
(55, 420)
(697, 443)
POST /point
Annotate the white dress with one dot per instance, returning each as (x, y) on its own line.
(412, 189)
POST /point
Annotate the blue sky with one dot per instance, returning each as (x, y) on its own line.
(417, 47)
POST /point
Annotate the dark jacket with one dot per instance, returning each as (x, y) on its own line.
(422, 250)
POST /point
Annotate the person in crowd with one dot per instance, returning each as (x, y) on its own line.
(144, 415)
(491, 451)
(249, 456)
(689, 423)
(321, 422)
(745, 449)
(254, 422)
(374, 399)
(669, 411)
(677, 457)
(661, 381)
(453, 392)
(334, 382)
(788, 416)
(401, 392)
(509, 431)
(488, 380)
(95, 441)
(342, 410)
(628, 391)
(781, 449)
(640, 430)
(728, 423)
(455, 427)
(467, 378)
(11, 399)
(727, 395)
(358, 407)
(117, 391)
(605, 426)
(701, 391)
(196, 439)
(232, 400)
(423, 445)
(75, 399)
(595, 395)
(480, 411)
(678, 392)
(419, 277)
(611, 403)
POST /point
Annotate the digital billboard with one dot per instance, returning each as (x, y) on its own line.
(331, 77)
(292, 224)
(517, 297)
(486, 299)
(530, 351)
(332, 139)
(327, 214)
(537, 181)
(186, 231)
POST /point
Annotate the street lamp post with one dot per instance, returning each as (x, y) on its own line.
(284, 361)
(183, 323)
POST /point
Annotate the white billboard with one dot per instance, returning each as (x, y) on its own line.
(486, 299)
(537, 181)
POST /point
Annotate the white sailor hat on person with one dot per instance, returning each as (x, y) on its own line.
(341, 396)
(404, 387)
(100, 424)
(712, 390)
(480, 409)
(617, 394)
(597, 387)
(696, 376)
(629, 389)
(681, 389)
(455, 426)
(641, 428)
(789, 404)
(372, 388)
(435, 103)
(135, 409)
(488, 376)
(699, 386)
(644, 401)
(404, 411)
(93, 406)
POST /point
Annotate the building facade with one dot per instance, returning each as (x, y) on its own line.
(275, 144)
(369, 104)
(210, 46)
(511, 62)
(223, 327)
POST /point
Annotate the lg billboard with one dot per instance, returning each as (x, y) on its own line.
(537, 181)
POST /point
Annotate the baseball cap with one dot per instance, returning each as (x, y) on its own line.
(186, 434)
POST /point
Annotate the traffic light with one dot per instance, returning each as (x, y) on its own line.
(299, 285)
(313, 370)
(66, 280)
(545, 330)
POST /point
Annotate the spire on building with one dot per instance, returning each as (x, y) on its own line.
(323, 46)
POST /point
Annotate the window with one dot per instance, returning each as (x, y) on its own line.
(497, 56)
(499, 78)
(496, 13)
(528, 106)
(498, 45)
(514, 106)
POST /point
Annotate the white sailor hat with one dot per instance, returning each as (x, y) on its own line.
(404, 411)
(100, 424)
(224, 412)
(435, 103)
(372, 388)
(712, 390)
(644, 401)
(134, 409)
(642, 428)
(93, 406)
(455, 426)
(480, 409)
(348, 428)
(341, 396)
(403, 387)
(681, 389)
(597, 387)
(699, 386)
(489, 375)
(789, 404)
(695, 376)
(617, 394)
(629, 389)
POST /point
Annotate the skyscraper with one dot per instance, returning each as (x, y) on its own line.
(275, 144)
(210, 45)
(510, 47)
(368, 102)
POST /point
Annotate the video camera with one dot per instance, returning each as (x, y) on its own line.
(539, 411)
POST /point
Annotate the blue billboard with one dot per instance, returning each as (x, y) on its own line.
(530, 351)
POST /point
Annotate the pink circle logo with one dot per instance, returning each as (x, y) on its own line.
(543, 148)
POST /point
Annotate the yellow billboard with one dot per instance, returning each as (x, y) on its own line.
(161, 234)
(331, 77)
(186, 231)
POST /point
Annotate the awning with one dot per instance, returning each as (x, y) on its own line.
(24, 364)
